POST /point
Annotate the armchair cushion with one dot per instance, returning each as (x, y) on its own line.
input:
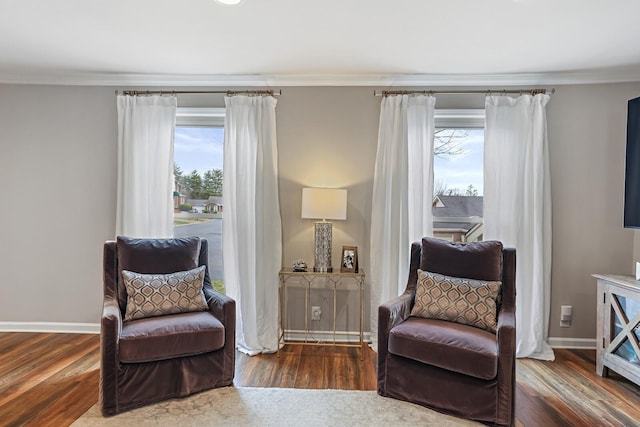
(168, 337)
(479, 260)
(466, 301)
(451, 346)
(151, 295)
(154, 256)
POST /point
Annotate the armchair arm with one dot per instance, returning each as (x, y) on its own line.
(393, 312)
(506, 337)
(110, 329)
(390, 314)
(221, 306)
(506, 332)
(224, 309)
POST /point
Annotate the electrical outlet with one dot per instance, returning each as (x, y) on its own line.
(315, 312)
(566, 316)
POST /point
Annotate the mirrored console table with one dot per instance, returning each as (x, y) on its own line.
(618, 317)
(310, 280)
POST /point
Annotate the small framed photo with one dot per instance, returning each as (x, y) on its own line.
(349, 263)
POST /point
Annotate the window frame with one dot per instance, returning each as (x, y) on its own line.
(200, 117)
(459, 118)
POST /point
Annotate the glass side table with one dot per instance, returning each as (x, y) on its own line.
(308, 280)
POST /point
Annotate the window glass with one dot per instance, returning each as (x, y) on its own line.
(198, 207)
(458, 184)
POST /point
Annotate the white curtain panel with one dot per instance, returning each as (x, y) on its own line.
(402, 194)
(251, 229)
(517, 208)
(146, 131)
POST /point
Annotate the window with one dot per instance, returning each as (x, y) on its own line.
(198, 156)
(458, 175)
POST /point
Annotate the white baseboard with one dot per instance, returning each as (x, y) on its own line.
(326, 336)
(292, 335)
(353, 337)
(68, 328)
(575, 343)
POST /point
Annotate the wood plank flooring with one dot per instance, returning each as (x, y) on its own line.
(303, 366)
(52, 379)
(47, 379)
(567, 392)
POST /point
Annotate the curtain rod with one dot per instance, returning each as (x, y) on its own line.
(180, 92)
(463, 92)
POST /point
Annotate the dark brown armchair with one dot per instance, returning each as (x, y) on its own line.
(453, 368)
(155, 358)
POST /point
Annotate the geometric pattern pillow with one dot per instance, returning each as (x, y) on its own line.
(467, 301)
(150, 295)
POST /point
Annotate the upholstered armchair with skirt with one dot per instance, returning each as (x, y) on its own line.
(165, 332)
(448, 342)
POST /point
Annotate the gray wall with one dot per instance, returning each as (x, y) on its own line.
(58, 184)
(587, 135)
(58, 152)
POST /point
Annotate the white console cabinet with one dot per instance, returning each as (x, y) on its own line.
(618, 315)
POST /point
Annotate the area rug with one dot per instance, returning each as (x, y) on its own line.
(252, 406)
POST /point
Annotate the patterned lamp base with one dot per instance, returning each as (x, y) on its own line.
(322, 259)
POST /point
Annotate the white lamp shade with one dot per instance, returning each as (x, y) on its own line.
(324, 203)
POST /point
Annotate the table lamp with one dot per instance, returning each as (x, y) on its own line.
(324, 204)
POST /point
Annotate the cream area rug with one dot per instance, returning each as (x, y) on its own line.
(252, 406)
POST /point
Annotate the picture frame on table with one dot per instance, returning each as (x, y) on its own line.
(349, 259)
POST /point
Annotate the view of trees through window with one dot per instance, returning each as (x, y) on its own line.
(200, 186)
(458, 184)
(198, 208)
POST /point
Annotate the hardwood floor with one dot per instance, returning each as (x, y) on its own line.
(303, 366)
(47, 379)
(52, 379)
(567, 392)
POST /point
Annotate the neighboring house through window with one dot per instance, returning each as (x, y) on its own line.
(458, 175)
(198, 161)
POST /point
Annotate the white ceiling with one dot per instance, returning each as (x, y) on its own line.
(300, 42)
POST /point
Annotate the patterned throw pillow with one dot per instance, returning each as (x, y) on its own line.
(467, 301)
(150, 295)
